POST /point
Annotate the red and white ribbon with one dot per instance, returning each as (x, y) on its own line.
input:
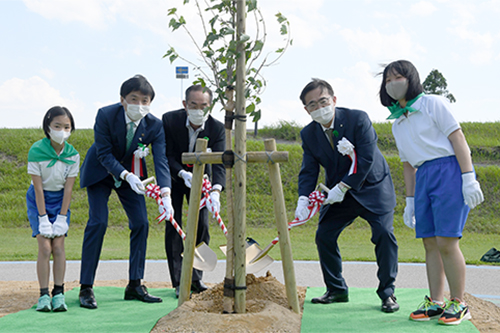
(347, 148)
(207, 201)
(153, 191)
(141, 152)
(316, 199)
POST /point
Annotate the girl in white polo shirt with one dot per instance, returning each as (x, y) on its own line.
(53, 165)
(441, 186)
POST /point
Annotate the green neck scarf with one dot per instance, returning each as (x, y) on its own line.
(43, 151)
(397, 110)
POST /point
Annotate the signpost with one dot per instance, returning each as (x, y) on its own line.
(182, 72)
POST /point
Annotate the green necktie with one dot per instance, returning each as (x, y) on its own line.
(130, 133)
(329, 134)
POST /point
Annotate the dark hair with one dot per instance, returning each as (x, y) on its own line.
(407, 70)
(53, 112)
(198, 87)
(137, 83)
(315, 83)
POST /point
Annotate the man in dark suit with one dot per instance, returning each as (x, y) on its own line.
(360, 185)
(182, 128)
(119, 130)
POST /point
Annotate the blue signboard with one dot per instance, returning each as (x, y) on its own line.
(182, 72)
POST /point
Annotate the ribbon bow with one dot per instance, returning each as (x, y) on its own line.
(345, 147)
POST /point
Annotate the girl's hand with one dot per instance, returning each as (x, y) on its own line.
(45, 227)
(60, 226)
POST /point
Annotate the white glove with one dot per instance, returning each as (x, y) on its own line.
(60, 226)
(215, 198)
(187, 176)
(45, 227)
(335, 195)
(166, 206)
(302, 212)
(409, 213)
(471, 190)
(135, 183)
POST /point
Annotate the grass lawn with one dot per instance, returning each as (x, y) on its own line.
(18, 245)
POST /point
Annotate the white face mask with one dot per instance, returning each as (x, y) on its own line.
(136, 112)
(59, 136)
(197, 117)
(323, 115)
(397, 89)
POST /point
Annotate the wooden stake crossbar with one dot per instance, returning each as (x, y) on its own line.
(251, 157)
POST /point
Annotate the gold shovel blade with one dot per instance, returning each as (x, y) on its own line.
(205, 258)
(253, 265)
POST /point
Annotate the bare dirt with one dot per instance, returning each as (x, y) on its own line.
(266, 307)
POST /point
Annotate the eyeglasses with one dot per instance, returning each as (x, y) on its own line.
(322, 102)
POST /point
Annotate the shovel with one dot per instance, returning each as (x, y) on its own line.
(263, 253)
(252, 251)
(205, 258)
(251, 248)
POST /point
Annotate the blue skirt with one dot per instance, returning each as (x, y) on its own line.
(53, 204)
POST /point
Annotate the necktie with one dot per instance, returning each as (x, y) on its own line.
(130, 133)
(329, 134)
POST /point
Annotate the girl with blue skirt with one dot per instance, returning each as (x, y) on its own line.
(53, 165)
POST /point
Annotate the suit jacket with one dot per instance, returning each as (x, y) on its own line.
(108, 154)
(371, 185)
(177, 138)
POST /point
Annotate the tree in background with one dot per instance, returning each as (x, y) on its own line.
(435, 83)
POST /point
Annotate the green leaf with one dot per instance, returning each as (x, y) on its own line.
(280, 50)
(283, 29)
(258, 45)
(251, 5)
(172, 11)
(244, 38)
(250, 108)
(281, 18)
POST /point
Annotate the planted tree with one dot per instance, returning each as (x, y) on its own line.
(216, 46)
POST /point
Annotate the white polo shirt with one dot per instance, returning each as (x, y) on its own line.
(423, 135)
(54, 178)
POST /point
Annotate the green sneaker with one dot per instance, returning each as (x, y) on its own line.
(427, 310)
(44, 304)
(58, 304)
(454, 313)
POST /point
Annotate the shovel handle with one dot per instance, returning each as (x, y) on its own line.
(324, 188)
(177, 228)
(149, 180)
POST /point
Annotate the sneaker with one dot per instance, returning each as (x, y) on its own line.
(44, 304)
(454, 313)
(58, 303)
(427, 310)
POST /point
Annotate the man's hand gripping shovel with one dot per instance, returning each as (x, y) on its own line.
(205, 258)
(251, 247)
(316, 199)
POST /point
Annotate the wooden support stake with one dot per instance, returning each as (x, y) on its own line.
(282, 225)
(192, 226)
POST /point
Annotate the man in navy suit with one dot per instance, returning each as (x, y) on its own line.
(182, 128)
(120, 129)
(360, 185)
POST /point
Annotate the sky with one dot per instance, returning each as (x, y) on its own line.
(77, 53)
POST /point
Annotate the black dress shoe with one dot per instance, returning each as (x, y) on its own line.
(87, 298)
(140, 293)
(177, 291)
(331, 297)
(198, 287)
(390, 305)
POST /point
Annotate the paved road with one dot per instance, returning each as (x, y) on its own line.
(482, 281)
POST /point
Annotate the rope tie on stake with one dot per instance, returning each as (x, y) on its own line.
(197, 155)
(241, 158)
(269, 155)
